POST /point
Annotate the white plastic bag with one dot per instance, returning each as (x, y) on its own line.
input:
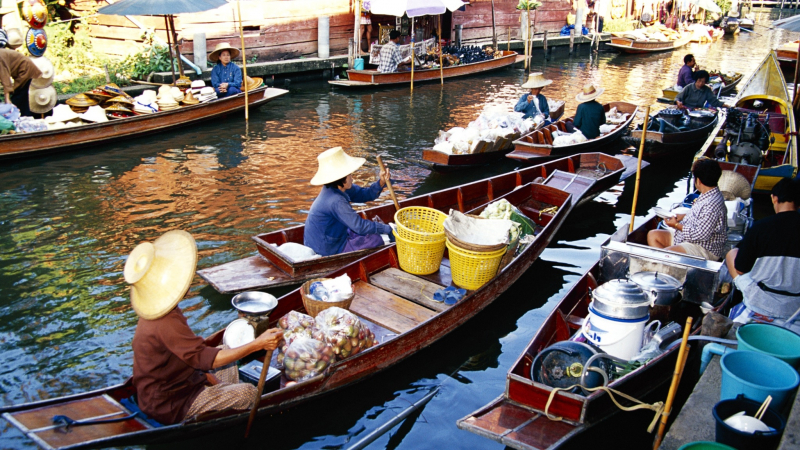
(298, 252)
(339, 288)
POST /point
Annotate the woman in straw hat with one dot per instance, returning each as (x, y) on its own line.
(590, 114)
(171, 365)
(226, 77)
(332, 226)
(14, 65)
(534, 103)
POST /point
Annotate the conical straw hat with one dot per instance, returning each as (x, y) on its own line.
(160, 273)
(335, 164)
(95, 114)
(253, 83)
(81, 101)
(62, 113)
(46, 67)
(589, 93)
(735, 184)
(189, 99)
(536, 80)
(42, 100)
(214, 56)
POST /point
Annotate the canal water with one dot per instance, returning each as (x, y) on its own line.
(68, 221)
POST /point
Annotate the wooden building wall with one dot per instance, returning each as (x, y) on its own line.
(477, 18)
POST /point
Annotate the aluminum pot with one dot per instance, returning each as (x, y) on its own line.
(699, 119)
(660, 288)
(621, 299)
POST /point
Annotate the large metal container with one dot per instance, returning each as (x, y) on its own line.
(620, 299)
(660, 288)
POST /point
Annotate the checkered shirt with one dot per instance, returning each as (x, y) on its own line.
(706, 223)
(390, 58)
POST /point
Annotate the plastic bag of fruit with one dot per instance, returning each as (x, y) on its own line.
(343, 331)
(306, 358)
(294, 324)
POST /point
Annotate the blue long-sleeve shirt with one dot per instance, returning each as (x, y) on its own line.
(231, 74)
(331, 216)
(530, 109)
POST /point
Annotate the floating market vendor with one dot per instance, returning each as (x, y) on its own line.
(226, 77)
(590, 114)
(766, 264)
(333, 226)
(172, 367)
(14, 65)
(390, 59)
(697, 94)
(534, 103)
(686, 74)
(702, 231)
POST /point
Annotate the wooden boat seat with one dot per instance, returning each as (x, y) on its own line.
(386, 309)
(410, 287)
(534, 210)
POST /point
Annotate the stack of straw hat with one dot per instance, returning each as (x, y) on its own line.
(63, 116)
(81, 102)
(146, 103)
(165, 100)
(196, 86)
(117, 111)
(207, 94)
(120, 100)
(99, 95)
(177, 93)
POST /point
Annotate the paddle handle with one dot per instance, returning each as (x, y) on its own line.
(639, 168)
(388, 184)
(261, 379)
(676, 379)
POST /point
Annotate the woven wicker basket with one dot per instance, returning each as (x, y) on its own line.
(314, 306)
(473, 247)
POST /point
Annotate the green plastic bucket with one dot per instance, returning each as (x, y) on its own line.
(702, 445)
(772, 340)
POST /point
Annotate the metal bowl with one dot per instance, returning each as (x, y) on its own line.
(254, 303)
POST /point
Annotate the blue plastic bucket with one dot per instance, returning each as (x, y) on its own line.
(757, 375)
(358, 64)
(772, 340)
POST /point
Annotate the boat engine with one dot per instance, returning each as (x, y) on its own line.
(748, 136)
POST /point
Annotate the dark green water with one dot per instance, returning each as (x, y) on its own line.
(67, 223)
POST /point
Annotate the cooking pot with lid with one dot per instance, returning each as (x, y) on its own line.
(660, 288)
(620, 299)
(673, 116)
(701, 118)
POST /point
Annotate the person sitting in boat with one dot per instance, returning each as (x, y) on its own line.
(390, 60)
(16, 73)
(702, 231)
(765, 264)
(172, 367)
(697, 94)
(226, 77)
(534, 103)
(332, 226)
(686, 74)
(590, 114)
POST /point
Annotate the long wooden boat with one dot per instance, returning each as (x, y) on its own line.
(626, 45)
(388, 300)
(730, 25)
(372, 78)
(518, 418)
(538, 145)
(669, 93)
(768, 87)
(444, 162)
(787, 55)
(271, 268)
(25, 144)
(664, 144)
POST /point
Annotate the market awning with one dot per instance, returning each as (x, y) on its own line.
(159, 7)
(414, 8)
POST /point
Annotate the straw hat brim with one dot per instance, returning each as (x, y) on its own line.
(335, 164)
(49, 98)
(534, 85)
(256, 83)
(214, 56)
(586, 98)
(160, 273)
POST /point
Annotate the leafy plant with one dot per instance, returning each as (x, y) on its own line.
(528, 4)
(154, 57)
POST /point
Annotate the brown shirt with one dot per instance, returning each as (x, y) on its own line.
(17, 66)
(169, 362)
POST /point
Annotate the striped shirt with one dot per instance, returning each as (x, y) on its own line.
(706, 223)
(390, 58)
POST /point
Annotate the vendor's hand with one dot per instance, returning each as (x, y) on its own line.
(530, 98)
(672, 222)
(679, 217)
(385, 176)
(223, 85)
(680, 105)
(270, 339)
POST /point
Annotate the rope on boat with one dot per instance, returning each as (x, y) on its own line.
(550, 210)
(657, 407)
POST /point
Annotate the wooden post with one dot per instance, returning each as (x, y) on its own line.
(177, 47)
(169, 44)
(571, 40)
(494, 30)
(508, 43)
(639, 168)
(532, 33)
(413, 56)
(350, 51)
(441, 66)
(544, 45)
(357, 33)
(244, 64)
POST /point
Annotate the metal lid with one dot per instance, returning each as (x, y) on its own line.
(622, 299)
(254, 303)
(656, 281)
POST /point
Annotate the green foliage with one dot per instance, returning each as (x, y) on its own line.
(529, 4)
(724, 5)
(154, 57)
(618, 25)
(71, 52)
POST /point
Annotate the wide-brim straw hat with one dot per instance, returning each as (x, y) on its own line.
(335, 164)
(590, 92)
(95, 114)
(113, 89)
(99, 95)
(160, 273)
(81, 101)
(188, 98)
(118, 109)
(536, 80)
(164, 90)
(47, 69)
(62, 113)
(14, 38)
(42, 100)
(148, 96)
(734, 184)
(253, 83)
(120, 100)
(214, 56)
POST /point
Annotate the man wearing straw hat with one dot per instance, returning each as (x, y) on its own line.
(332, 226)
(590, 114)
(171, 365)
(534, 103)
(226, 77)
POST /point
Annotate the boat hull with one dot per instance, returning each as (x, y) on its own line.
(662, 145)
(631, 46)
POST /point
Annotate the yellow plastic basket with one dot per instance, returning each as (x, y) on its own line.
(419, 258)
(420, 224)
(471, 270)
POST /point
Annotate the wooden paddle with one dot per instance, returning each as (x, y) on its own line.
(639, 168)
(676, 379)
(389, 184)
(261, 379)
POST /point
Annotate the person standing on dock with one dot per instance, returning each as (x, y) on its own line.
(534, 103)
(390, 59)
(332, 226)
(590, 114)
(226, 77)
(14, 65)
(766, 264)
(686, 74)
(697, 94)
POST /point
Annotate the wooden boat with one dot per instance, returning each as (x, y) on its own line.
(747, 23)
(626, 45)
(388, 300)
(271, 268)
(768, 87)
(666, 144)
(538, 145)
(25, 144)
(444, 162)
(730, 25)
(669, 93)
(518, 418)
(787, 55)
(371, 78)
